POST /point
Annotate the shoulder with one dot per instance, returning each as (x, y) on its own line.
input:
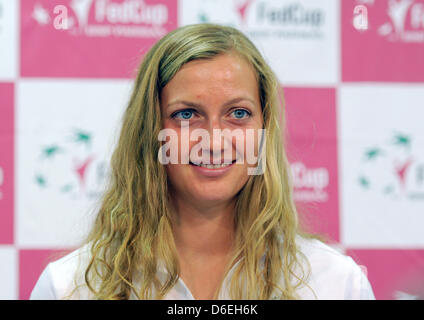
(59, 279)
(332, 274)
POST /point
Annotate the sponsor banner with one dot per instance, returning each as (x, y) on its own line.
(393, 274)
(8, 273)
(312, 151)
(6, 162)
(91, 38)
(67, 130)
(31, 265)
(383, 40)
(382, 166)
(8, 39)
(292, 35)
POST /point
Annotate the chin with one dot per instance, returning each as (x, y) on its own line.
(215, 193)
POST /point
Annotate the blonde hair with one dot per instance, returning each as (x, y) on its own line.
(133, 230)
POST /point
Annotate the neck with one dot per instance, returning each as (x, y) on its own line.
(203, 230)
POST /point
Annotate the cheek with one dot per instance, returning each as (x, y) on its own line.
(176, 174)
(176, 177)
(246, 145)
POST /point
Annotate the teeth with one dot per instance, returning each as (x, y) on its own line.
(214, 166)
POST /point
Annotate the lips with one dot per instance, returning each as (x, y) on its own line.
(214, 171)
(222, 164)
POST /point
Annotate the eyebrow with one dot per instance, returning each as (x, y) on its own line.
(199, 105)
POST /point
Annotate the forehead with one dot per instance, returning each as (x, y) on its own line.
(223, 74)
(223, 66)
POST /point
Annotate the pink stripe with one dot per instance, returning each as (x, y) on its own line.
(6, 162)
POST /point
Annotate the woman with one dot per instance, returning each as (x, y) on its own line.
(189, 230)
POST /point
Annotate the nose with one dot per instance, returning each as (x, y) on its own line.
(215, 147)
(218, 148)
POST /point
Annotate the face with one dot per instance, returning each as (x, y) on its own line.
(206, 96)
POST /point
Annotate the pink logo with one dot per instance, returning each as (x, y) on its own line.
(81, 170)
(6, 162)
(242, 8)
(91, 38)
(312, 151)
(386, 46)
(401, 170)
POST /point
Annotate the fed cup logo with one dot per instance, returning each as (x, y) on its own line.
(394, 170)
(310, 183)
(406, 21)
(100, 18)
(264, 19)
(70, 167)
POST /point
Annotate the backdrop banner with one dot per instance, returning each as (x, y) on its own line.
(352, 76)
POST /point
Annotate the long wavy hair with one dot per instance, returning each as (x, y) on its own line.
(132, 231)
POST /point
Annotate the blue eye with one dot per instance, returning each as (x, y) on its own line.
(240, 113)
(184, 114)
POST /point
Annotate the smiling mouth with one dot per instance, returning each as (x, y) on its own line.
(212, 166)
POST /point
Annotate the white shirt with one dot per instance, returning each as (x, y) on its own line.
(333, 276)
